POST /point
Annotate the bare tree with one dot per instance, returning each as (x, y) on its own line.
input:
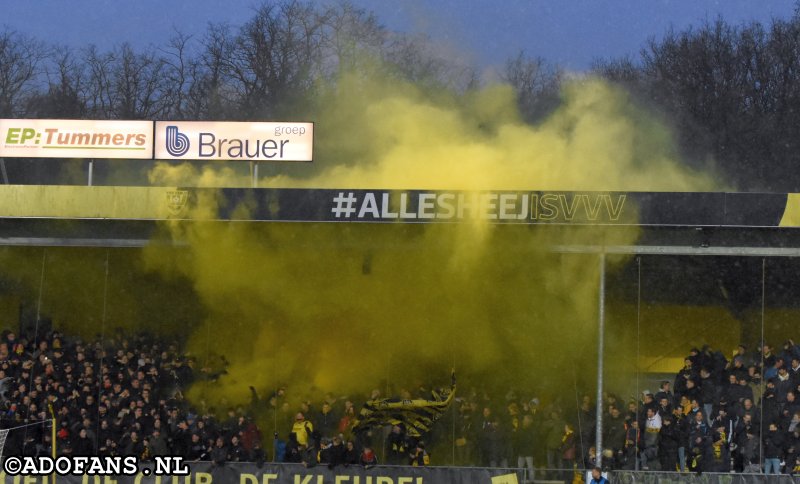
(536, 83)
(354, 40)
(65, 97)
(423, 62)
(140, 88)
(178, 71)
(124, 84)
(731, 94)
(20, 65)
(275, 59)
(729, 90)
(211, 93)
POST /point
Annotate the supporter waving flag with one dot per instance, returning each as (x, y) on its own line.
(417, 416)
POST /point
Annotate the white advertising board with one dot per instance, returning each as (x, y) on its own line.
(70, 138)
(234, 141)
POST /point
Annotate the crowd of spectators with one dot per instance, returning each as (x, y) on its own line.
(718, 415)
(123, 395)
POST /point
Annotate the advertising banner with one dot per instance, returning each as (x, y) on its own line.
(201, 140)
(632, 477)
(69, 138)
(658, 209)
(240, 473)
(249, 473)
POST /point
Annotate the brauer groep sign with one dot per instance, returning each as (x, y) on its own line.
(200, 140)
(70, 138)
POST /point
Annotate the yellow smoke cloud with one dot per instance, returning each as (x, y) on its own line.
(347, 308)
(390, 134)
(91, 292)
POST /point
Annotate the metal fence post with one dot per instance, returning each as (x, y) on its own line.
(600, 355)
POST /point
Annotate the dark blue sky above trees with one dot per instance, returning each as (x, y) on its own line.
(571, 33)
(719, 73)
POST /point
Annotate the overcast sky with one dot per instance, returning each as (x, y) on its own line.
(486, 32)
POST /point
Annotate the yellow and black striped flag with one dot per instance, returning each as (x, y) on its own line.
(418, 415)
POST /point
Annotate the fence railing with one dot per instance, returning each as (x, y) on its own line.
(644, 477)
(279, 473)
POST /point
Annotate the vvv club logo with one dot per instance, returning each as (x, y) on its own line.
(177, 142)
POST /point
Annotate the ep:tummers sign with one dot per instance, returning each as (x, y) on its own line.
(70, 138)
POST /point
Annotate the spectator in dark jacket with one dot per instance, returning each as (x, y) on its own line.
(351, 454)
(664, 407)
(699, 453)
(196, 449)
(742, 393)
(310, 454)
(419, 456)
(158, 444)
(293, 451)
(219, 453)
(665, 391)
(633, 444)
(337, 453)
(794, 371)
(133, 446)
(681, 423)
(769, 404)
(614, 430)
(324, 456)
(698, 428)
(668, 444)
(686, 373)
(83, 446)
(692, 390)
(327, 421)
(792, 405)
(237, 453)
(708, 392)
(750, 453)
(719, 459)
(397, 446)
(524, 442)
(792, 446)
(783, 384)
(737, 367)
(774, 443)
(723, 420)
(490, 443)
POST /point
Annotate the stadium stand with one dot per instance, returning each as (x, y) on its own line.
(124, 396)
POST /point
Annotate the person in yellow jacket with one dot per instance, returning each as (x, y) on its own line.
(302, 428)
(419, 457)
